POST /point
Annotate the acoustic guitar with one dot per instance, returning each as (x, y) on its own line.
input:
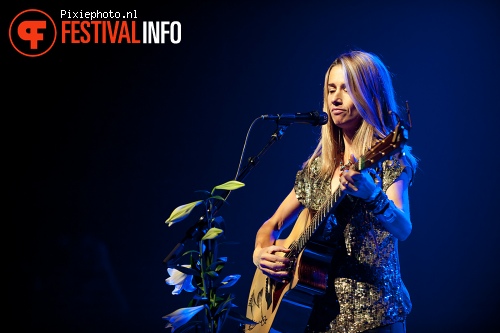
(285, 307)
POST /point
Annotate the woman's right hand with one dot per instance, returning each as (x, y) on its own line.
(271, 261)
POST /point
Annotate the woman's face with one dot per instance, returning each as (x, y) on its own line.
(340, 105)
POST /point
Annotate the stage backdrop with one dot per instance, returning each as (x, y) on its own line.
(103, 140)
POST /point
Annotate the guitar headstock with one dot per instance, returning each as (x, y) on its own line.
(384, 148)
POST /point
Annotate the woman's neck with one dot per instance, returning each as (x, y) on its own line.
(347, 148)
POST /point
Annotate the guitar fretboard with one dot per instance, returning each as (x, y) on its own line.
(326, 209)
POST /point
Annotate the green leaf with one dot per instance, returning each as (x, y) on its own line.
(230, 185)
(219, 299)
(203, 191)
(227, 304)
(212, 274)
(202, 299)
(189, 251)
(217, 197)
(229, 281)
(215, 267)
(212, 233)
(181, 212)
(219, 263)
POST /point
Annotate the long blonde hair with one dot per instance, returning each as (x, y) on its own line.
(369, 84)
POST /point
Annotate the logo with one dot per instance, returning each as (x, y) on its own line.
(32, 33)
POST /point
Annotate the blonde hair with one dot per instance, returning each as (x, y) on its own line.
(369, 84)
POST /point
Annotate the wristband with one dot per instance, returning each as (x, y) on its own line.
(386, 216)
(374, 194)
(379, 203)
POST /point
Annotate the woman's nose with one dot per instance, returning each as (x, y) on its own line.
(337, 101)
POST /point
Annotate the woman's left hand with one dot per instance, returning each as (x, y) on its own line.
(358, 184)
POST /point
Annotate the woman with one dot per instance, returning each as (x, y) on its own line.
(366, 292)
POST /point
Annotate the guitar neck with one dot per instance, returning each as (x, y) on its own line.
(326, 209)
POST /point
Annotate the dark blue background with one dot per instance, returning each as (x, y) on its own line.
(102, 142)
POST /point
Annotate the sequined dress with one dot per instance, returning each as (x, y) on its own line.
(366, 279)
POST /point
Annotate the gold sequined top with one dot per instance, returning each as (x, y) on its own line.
(365, 276)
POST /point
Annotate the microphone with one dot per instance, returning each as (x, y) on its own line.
(314, 118)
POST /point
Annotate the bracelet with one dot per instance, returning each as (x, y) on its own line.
(381, 207)
(379, 204)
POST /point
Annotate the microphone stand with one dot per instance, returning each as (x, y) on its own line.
(252, 162)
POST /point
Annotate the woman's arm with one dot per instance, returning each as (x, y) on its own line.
(267, 256)
(399, 203)
(395, 216)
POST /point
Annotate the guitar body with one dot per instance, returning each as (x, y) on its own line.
(286, 307)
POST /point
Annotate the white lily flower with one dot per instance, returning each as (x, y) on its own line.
(181, 316)
(180, 280)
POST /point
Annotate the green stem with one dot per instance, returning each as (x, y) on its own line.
(206, 261)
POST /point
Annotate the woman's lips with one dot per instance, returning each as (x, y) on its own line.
(337, 112)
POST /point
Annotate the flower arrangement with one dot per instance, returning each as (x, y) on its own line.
(212, 304)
